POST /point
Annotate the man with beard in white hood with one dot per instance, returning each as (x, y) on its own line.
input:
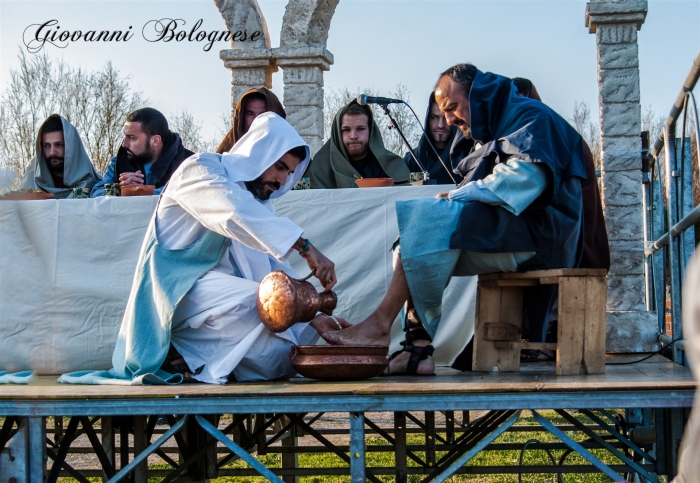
(213, 238)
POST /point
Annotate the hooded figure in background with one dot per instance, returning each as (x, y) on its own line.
(61, 162)
(252, 103)
(194, 293)
(441, 135)
(355, 150)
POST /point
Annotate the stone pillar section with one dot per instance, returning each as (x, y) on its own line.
(303, 57)
(251, 63)
(303, 69)
(615, 23)
(249, 68)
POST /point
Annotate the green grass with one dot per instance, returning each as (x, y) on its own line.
(531, 457)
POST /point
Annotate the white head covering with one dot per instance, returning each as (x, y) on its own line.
(267, 140)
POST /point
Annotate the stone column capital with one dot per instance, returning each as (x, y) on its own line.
(308, 56)
(248, 59)
(615, 12)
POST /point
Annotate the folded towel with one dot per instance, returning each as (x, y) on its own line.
(109, 377)
(22, 377)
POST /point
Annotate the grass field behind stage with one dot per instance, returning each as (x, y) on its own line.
(531, 457)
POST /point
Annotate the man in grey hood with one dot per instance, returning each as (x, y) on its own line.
(61, 162)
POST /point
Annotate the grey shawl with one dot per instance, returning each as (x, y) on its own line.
(78, 171)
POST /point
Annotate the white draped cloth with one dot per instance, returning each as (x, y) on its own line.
(216, 326)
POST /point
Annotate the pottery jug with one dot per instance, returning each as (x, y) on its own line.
(283, 301)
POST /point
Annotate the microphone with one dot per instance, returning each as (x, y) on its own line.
(363, 100)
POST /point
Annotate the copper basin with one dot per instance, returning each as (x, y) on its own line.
(138, 190)
(338, 362)
(374, 182)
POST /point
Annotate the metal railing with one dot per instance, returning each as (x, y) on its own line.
(669, 212)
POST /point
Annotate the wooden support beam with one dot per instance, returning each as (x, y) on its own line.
(290, 460)
(430, 438)
(140, 444)
(107, 433)
(400, 447)
(572, 310)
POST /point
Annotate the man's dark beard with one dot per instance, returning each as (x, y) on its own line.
(257, 187)
(56, 169)
(468, 133)
(143, 158)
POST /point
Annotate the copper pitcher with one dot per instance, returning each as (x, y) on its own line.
(283, 301)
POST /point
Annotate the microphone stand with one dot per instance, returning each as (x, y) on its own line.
(385, 108)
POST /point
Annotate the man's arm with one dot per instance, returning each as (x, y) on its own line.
(323, 268)
(513, 185)
(201, 187)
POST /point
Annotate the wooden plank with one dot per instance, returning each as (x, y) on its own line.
(572, 311)
(488, 308)
(500, 331)
(511, 313)
(655, 373)
(510, 283)
(594, 330)
(525, 345)
(559, 272)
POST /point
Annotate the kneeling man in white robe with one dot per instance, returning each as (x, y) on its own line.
(215, 326)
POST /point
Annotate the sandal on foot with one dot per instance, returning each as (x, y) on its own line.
(418, 353)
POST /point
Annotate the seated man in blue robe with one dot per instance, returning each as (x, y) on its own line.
(518, 208)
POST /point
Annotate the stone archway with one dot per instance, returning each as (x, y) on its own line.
(302, 54)
(251, 63)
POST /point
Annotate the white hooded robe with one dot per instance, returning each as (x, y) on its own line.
(216, 325)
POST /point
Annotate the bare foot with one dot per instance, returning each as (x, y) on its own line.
(399, 364)
(368, 332)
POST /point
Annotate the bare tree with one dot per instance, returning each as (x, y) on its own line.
(335, 100)
(96, 103)
(190, 131)
(652, 122)
(589, 130)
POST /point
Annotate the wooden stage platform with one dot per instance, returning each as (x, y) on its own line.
(644, 384)
(612, 410)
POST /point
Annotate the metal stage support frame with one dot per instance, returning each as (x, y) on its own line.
(643, 441)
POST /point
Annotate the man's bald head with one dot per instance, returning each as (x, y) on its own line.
(452, 95)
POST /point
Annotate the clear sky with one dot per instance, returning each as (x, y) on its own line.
(376, 44)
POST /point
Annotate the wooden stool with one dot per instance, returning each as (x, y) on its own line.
(581, 325)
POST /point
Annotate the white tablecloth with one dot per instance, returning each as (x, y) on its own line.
(67, 267)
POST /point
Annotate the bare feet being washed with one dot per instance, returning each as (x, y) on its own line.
(367, 332)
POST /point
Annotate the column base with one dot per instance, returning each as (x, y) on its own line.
(632, 331)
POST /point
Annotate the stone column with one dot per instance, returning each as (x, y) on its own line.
(249, 68)
(303, 69)
(615, 23)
